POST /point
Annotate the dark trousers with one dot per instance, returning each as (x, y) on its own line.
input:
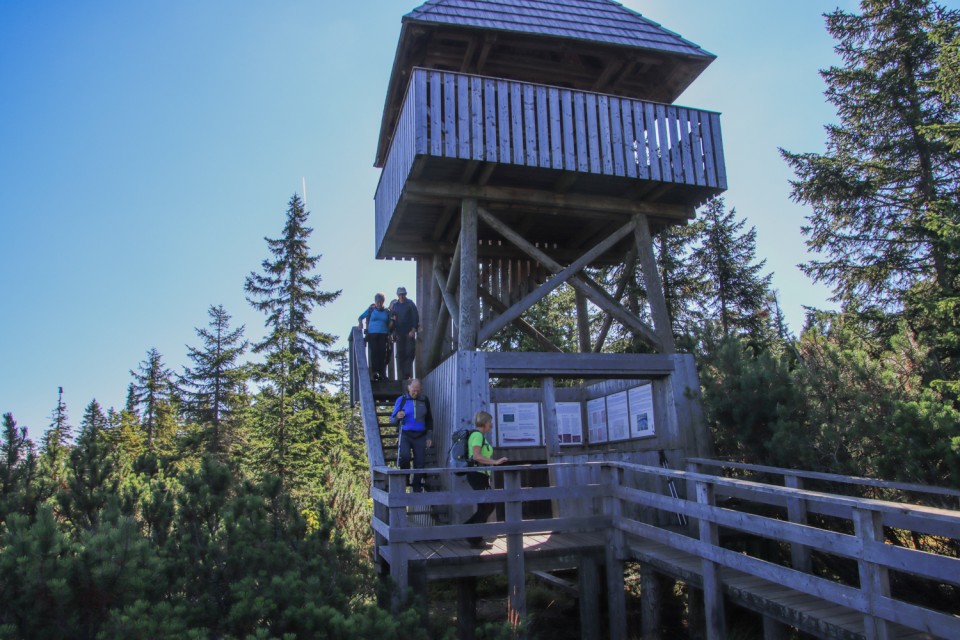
(480, 482)
(377, 352)
(412, 442)
(406, 350)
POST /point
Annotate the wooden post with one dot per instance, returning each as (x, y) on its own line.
(651, 278)
(797, 513)
(516, 574)
(399, 569)
(589, 586)
(467, 608)
(551, 433)
(469, 306)
(616, 600)
(424, 301)
(874, 579)
(583, 322)
(774, 629)
(712, 587)
(650, 603)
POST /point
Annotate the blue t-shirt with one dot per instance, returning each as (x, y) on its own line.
(379, 319)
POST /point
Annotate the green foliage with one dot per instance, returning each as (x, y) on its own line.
(19, 491)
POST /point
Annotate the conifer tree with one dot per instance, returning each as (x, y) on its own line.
(290, 408)
(726, 257)
(18, 469)
(212, 387)
(90, 482)
(152, 391)
(55, 447)
(684, 286)
(881, 190)
(287, 291)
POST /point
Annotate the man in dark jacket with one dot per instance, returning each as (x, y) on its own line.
(406, 324)
(412, 411)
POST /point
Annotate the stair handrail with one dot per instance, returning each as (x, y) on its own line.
(361, 390)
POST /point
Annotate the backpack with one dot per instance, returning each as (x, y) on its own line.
(459, 456)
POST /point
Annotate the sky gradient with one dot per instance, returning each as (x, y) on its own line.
(146, 150)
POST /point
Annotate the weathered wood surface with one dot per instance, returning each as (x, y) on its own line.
(624, 493)
(463, 117)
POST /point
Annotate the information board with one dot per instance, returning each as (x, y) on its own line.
(618, 420)
(641, 411)
(518, 424)
(597, 420)
(569, 423)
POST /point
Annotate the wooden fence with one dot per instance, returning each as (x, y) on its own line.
(625, 503)
(467, 117)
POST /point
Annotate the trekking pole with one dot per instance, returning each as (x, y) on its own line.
(681, 518)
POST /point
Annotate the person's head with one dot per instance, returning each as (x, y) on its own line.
(379, 299)
(401, 293)
(482, 421)
(413, 387)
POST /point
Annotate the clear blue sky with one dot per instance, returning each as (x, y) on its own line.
(146, 149)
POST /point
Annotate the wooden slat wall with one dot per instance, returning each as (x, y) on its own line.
(468, 117)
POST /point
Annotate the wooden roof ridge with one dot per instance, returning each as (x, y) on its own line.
(599, 21)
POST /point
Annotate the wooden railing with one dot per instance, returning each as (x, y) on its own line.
(631, 504)
(467, 117)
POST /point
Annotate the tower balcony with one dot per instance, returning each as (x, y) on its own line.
(584, 160)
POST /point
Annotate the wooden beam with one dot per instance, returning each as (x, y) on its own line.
(449, 300)
(436, 340)
(538, 198)
(579, 282)
(583, 322)
(561, 275)
(519, 323)
(469, 308)
(651, 277)
(596, 365)
(551, 432)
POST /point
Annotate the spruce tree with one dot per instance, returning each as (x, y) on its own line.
(90, 482)
(881, 192)
(212, 388)
(55, 448)
(152, 392)
(18, 470)
(726, 257)
(684, 286)
(290, 408)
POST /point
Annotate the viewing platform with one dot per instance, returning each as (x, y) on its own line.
(587, 160)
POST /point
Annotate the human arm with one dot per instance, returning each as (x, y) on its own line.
(479, 458)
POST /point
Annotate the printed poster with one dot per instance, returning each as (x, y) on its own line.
(618, 420)
(569, 423)
(641, 411)
(518, 424)
(597, 420)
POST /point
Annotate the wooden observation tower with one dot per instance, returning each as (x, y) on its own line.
(521, 143)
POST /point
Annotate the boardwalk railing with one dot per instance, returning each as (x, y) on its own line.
(467, 117)
(629, 505)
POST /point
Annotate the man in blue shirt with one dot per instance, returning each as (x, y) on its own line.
(412, 411)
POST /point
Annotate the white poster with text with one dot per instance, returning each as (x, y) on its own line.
(641, 411)
(569, 423)
(518, 424)
(597, 420)
(618, 421)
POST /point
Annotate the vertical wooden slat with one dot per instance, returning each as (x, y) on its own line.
(708, 156)
(450, 115)
(675, 161)
(516, 573)
(616, 137)
(629, 139)
(685, 146)
(503, 117)
(663, 143)
(797, 512)
(476, 118)
(468, 276)
(593, 133)
(650, 132)
(603, 116)
(543, 128)
(712, 585)
(639, 132)
(551, 437)
(556, 137)
(569, 150)
(463, 117)
(436, 114)
(582, 131)
(516, 122)
(718, 150)
(697, 148)
(422, 115)
(490, 119)
(588, 581)
(529, 126)
(874, 578)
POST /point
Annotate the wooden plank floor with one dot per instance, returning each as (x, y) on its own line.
(807, 613)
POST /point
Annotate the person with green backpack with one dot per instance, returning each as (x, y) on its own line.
(480, 452)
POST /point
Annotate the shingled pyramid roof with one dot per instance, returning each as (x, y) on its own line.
(599, 21)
